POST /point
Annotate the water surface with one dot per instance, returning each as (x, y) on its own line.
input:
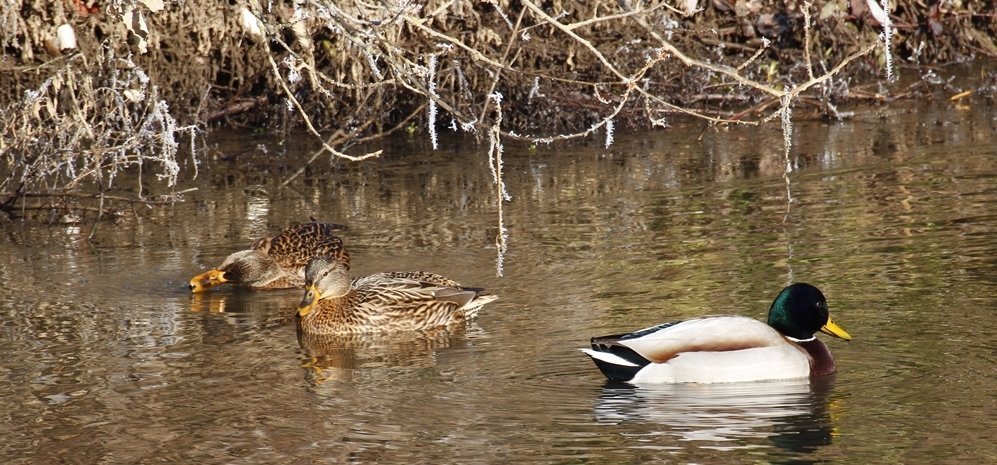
(108, 359)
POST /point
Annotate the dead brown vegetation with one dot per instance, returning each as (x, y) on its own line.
(353, 71)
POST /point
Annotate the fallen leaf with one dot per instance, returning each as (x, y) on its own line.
(135, 22)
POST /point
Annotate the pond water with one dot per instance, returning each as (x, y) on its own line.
(107, 358)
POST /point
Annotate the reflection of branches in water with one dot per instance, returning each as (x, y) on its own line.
(395, 53)
(787, 133)
(397, 47)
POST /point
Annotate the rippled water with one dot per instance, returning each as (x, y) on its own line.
(108, 359)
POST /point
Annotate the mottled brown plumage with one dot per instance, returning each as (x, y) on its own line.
(277, 262)
(395, 301)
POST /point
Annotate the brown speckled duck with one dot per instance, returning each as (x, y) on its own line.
(276, 262)
(382, 302)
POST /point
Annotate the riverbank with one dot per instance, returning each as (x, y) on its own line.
(91, 88)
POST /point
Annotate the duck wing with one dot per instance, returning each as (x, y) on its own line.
(424, 278)
(660, 343)
(709, 349)
(295, 246)
(785, 361)
(425, 299)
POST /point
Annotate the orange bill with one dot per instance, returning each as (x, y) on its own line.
(208, 279)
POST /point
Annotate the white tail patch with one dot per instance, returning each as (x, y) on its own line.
(608, 358)
(472, 307)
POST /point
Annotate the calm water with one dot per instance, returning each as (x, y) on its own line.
(107, 358)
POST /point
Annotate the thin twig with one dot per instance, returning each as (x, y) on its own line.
(338, 135)
(626, 14)
(96, 220)
(307, 120)
(585, 43)
(498, 72)
(806, 39)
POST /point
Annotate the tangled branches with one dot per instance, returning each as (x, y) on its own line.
(65, 144)
(606, 65)
(558, 65)
(353, 71)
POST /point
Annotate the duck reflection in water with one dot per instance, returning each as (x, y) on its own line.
(797, 416)
(218, 303)
(348, 357)
(238, 314)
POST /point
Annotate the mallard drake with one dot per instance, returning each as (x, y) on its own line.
(396, 301)
(276, 262)
(722, 349)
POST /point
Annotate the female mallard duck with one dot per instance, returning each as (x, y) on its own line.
(723, 349)
(398, 301)
(276, 262)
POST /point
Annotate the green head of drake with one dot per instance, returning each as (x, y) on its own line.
(800, 311)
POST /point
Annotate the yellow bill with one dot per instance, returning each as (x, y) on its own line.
(831, 328)
(308, 301)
